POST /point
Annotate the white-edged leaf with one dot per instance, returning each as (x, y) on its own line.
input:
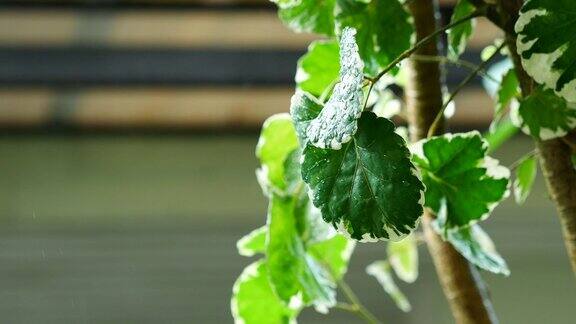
(254, 301)
(403, 257)
(459, 35)
(544, 115)
(252, 243)
(455, 167)
(337, 122)
(318, 69)
(525, 175)
(381, 271)
(304, 108)
(309, 16)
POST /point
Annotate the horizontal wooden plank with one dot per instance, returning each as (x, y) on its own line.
(165, 28)
(187, 108)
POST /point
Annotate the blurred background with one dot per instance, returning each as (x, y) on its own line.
(127, 132)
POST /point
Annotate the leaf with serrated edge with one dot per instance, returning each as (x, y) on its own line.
(307, 16)
(459, 35)
(525, 176)
(253, 243)
(403, 257)
(455, 167)
(318, 69)
(277, 140)
(254, 302)
(381, 271)
(368, 189)
(544, 115)
(304, 108)
(547, 45)
(337, 122)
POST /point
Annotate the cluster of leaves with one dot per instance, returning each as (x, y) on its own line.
(337, 170)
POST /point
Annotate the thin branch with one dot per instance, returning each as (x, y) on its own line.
(368, 95)
(464, 83)
(357, 305)
(424, 41)
(516, 163)
(459, 62)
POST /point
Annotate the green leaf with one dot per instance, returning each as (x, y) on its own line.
(277, 140)
(547, 45)
(253, 243)
(318, 68)
(403, 257)
(459, 35)
(304, 108)
(499, 134)
(507, 91)
(296, 277)
(381, 271)
(310, 16)
(544, 115)
(525, 176)
(384, 30)
(334, 253)
(337, 122)
(254, 301)
(369, 188)
(457, 169)
(476, 246)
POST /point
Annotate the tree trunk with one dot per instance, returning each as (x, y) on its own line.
(460, 282)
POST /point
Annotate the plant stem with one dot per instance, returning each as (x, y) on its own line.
(431, 37)
(464, 83)
(461, 287)
(356, 305)
(459, 62)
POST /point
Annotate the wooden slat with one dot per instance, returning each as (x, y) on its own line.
(153, 29)
(188, 108)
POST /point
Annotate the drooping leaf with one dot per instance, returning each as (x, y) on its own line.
(500, 133)
(403, 257)
(459, 35)
(296, 277)
(254, 301)
(525, 176)
(507, 91)
(369, 188)
(337, 122)
(318, 68)
(334, 253)
(311, 16)
(304, 108)
(544, 115)
(547, 45)
(457, 169)
(253, 243)
(277, 140)
(476, 246)
(384, 30)
(381, 271)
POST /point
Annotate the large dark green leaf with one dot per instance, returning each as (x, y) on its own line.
(384, 30)
(455, 168)
(547, 44)
(369, 187)
(459, 35)
(254, 301)
(312, 16)
(544, 115)
(318, 68)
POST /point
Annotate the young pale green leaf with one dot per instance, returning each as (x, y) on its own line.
(296, 277)
(310, 16)
(369, 188)
(459, 35)
(507, 91)
(254, 301)
(476, 246)
(525, 176)
(544, 115)
(318, 69)
(384, 30)
(381, 271)
(456, 168)
(337, 122)
(277, 140)
(334, 254)
(253, 243)
(403, 257)
(547, 45)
